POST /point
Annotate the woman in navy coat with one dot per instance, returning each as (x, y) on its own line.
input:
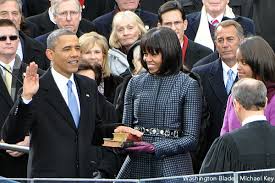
(164, 104)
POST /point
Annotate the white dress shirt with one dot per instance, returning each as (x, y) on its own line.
(253, 118)
(225, 69)
(61, 82)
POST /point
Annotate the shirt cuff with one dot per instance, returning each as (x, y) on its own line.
(26, 101)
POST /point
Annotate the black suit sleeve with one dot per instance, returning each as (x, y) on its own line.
(17, 123)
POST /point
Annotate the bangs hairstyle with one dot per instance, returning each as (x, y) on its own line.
(165, 41)
(88, 40)
(259, 55)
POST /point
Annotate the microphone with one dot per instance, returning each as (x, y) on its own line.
(17, 79)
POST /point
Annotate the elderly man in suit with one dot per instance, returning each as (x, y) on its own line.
(59, 110)
(28, 49)
(48, 18)
(172, 15)
(202, 24)
(67, 15)
(218, 76)
(104, 22)
(251, 146)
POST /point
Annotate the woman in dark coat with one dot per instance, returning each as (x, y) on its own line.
(164, 104)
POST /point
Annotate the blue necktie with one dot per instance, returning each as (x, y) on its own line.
(230, 81)
(72, 103)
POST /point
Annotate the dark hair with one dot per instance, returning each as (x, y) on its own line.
(83, 66)
(165, 41)
(169, 6)
(130, 54)
(258, 54)
(250, 93)
(7, 23)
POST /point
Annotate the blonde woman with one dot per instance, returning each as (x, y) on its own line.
(94, 50)
(127, 28)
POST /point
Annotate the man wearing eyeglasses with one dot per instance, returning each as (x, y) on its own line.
(13, 164)
(67, 15)
(49, 22)
(172, 15)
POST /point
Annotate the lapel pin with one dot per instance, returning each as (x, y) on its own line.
(87, 95)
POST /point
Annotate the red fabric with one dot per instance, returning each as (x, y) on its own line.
(81, 2)
(184, 47)
(215, 22)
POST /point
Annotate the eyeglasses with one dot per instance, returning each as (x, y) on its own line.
(12, 38)
(170, 24)
(65, 14)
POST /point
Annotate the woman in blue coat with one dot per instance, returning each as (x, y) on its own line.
(164, 104)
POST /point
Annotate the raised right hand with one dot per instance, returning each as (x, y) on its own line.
(31, 81)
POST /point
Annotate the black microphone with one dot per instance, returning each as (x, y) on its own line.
(17, 79)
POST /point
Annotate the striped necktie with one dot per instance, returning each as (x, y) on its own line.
(230, 81)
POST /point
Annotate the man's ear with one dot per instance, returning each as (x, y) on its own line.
(185, 23)
(236, 105)
(50, 54)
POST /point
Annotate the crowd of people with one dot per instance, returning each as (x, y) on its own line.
(193, 79)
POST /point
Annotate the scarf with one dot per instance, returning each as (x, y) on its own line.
(203, 35)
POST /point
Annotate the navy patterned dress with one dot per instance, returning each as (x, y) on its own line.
(164, 102)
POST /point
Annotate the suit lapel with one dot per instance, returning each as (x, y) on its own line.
(4, 92)
(55, 98)
(195, 24)
(216, 81)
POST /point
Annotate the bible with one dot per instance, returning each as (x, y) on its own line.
(121, 140)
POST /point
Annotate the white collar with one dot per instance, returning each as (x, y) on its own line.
(226, 68)
(219, 18)
(60, 79)
(253, 118)
(11, 64)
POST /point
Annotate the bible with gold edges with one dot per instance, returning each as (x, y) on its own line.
(121, 140)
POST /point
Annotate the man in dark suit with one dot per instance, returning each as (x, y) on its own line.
(172, 15)
(104, 22)
(218, 76)
(59, 111)
(49, 22)
(10, 83)
(28, 49)
(202, 24)
(67, 15)
(251, 146)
